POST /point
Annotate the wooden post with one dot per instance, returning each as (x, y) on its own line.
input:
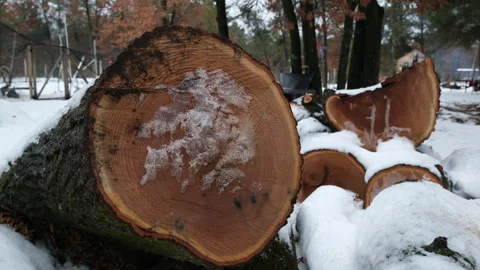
(34, 72)
(65, 74)
(12, 62)
(474, 65)
(49, 75)
(68, 46)
(95, 67)
(31, 73)
(25, 70)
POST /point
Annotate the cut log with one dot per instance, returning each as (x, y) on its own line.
(314, 104)
(328, 167)
(185, 138)
(398, 174)
(405, 105)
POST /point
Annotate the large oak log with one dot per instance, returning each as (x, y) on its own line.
(406, 105)
(185, 138)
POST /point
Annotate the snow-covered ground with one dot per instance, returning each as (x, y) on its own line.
(450, 134)
(335, 231)
(20, 120)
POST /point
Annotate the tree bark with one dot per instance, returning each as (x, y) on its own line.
(222, 21)
(345, 48)
(91, 34)
(295, 46)
(325, 44)
(365, 58)
(87, 172)
(310, 45)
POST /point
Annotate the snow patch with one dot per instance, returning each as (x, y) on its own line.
(289, 232)
(353, 92)
(463, 169)
(205, 108)
(310, 125)
(334, 232)
(18, 253)
(428, 150)
(299, 112)
(409, 215)
(327, 233)
(29, 130)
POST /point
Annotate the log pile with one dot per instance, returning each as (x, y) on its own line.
(405, 105)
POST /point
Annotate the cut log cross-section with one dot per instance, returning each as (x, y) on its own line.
(329, 167)
(405, 105)
(397, 174)
(186, 138)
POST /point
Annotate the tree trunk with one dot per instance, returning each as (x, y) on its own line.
(310, 45)
(325, 45)
(284, 43)
(165, 16)
(91, 34)
(422, 29)
(168, 146)
(222, 21)
(365, 58)
(172, 17)
(295, 46)
(345, 48)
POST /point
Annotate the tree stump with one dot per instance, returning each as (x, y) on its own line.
(185, 138)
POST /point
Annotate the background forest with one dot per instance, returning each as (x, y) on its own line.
(339, 41)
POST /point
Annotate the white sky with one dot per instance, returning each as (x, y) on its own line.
(233, 11)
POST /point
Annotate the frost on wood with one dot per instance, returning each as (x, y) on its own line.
(388, 132)
(205, 109)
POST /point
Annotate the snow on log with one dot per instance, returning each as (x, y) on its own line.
(328, 167)
(406, 105)
(395, 160)
(185, 138)
(400, 228)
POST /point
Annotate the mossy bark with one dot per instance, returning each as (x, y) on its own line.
(440, 247)
(53, 180)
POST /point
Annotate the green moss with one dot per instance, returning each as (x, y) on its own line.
(440, 247)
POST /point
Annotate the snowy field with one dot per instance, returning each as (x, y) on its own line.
(336, 232)
(20, 120)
